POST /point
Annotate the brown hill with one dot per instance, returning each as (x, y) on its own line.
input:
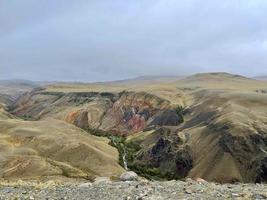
(39, 149)
(211, 126)
(10, 90)
(53, 148)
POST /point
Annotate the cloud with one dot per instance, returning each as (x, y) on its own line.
(106, 40)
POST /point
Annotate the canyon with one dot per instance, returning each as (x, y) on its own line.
(211, 126)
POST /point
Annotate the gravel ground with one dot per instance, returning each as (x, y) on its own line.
(135, 190)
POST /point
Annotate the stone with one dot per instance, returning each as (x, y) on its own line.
(189, 180)
(85, 185)
(129, 176)
(200, 180)
(188, 191)
(101, 180)
(127, 190)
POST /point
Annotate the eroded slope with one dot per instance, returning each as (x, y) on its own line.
(211, 126)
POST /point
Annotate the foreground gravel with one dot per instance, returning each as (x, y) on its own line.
(136, 190)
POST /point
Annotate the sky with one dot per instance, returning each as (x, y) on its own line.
(100, 40)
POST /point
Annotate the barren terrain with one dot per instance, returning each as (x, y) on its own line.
(210, 126)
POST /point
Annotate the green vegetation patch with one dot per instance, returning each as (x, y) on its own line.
(132, 150)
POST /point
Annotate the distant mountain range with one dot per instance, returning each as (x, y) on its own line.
(139, 79)
(260, 77)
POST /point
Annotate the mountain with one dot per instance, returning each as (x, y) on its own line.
(211, 126)
(11, 89)
(260, 77)
(30, 151)
(147, 80)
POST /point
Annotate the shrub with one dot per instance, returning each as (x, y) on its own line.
(180, 112)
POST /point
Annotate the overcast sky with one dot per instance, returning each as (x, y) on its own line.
(97, 40)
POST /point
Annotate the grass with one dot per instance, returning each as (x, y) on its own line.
(132, 150)
(153, 173)
(119, 143)
(145, 171)
(180, 110)
(78, 155)
(116, 141)
(27, 118)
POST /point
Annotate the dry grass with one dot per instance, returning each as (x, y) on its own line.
(215, 100)
(53, 148)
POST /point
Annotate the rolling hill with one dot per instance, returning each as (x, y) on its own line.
(50, 148)
(212, 125)
(10, 90)
(39, 149)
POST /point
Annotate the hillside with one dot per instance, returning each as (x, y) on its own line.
(12, 89)
(53, 148)
(49, 148)
(211, 126)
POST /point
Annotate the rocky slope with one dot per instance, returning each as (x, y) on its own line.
(222, 139)
(122, 113)
(135, 190)
(50, 147)
(211, 126)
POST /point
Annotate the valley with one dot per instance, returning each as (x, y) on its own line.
(211, 126)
